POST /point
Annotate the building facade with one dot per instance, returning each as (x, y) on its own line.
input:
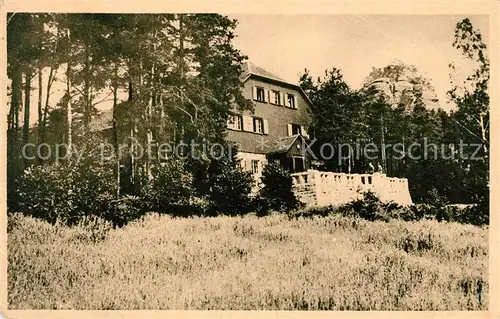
(278, 127)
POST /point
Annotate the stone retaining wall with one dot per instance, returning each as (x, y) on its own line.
(316, 188)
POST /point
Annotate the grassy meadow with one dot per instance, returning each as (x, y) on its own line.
(247, 263)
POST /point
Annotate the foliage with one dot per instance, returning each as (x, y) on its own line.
(181, 73)
(339, 114)
(276, 191)
(226, 185)
(472, 117)
(123, 210)
(371, 208)
(321, 263)
(74, 189)
(169, 186)
(67, 191)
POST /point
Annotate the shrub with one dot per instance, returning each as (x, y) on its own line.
(276, 192)
(170, 186)
(369, 207)
(221, 185)
(478, 214)
(229, 187)
(123, 210)
(67, 191)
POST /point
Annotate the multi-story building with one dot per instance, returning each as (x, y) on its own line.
(278, 125)
(275, 130)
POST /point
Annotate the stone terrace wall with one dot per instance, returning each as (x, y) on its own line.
(316, 188)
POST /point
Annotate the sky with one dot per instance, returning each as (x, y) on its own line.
(287, 44)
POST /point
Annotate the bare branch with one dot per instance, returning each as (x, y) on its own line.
(472, 133)
(105, 99)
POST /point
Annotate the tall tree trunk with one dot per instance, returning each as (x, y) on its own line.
(69, 111)
(384, 159)
(151, 104)
(27, 106)
(484, 140)
(40, 97)
(40, 106)
(131, 136)
(50, 81)
(86, 90)
(16, 98)
(115, 136)
(181, 71)
(14, 164)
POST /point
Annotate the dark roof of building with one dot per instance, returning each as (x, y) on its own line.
(282, 145)
(249, 68)
(103, 121)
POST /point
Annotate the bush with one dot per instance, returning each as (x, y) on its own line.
(369, 207)
(170, 187)
(123, 210)
(221, 185)
(229, 187)
(478, 214)
(67, 191)
(276, 192)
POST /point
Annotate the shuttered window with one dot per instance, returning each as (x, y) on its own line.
(258, 125)
(259, 94)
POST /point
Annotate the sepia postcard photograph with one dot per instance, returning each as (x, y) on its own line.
(205, 160)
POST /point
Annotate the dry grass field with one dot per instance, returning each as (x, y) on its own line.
(273, 263)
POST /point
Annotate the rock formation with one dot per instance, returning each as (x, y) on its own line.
(399, 84)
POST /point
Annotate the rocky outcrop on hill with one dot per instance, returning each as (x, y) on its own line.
(401, 85)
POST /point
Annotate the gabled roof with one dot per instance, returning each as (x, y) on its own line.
(283, 145)
(102, 121)
(250, 69)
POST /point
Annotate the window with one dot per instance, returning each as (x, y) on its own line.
(235, 122)
(255, 166)
(296, 129)
(238, 122)
(261, 95)
(275, 97)
(258, 125)
(290, 101)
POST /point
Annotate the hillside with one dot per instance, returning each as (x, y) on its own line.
(320, 263)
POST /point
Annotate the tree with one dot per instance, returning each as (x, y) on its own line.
(338, 116)
(472, 100)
